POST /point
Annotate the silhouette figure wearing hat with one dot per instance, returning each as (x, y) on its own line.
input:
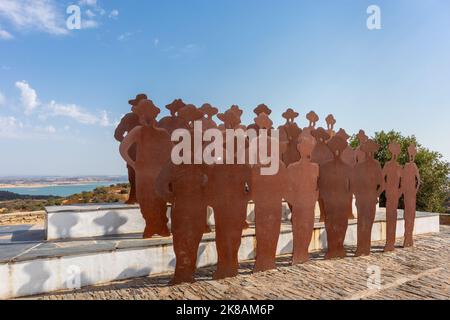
(153, 148)
(173, 122)
(321, 154)
(335, 191)
(410, 187)
(367, 187)
(349, 157)
(128, 123)
(290, 133)
(267, 194)
(303, 192)
(185, 186)
(392, 173)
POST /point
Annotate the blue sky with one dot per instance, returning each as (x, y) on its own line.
(62, 91)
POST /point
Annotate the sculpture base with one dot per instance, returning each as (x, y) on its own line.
(29, 265)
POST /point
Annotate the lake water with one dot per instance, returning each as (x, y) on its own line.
(61, 191)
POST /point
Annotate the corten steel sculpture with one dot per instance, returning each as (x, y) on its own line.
(290, 133)
(392, 173)
(349, 157)
(185, 186)
(312, 118)
(228, 194)
(367, 186)
(173, 122)
(410, 187)
(331, 121)
(335, 190)
(128, 123)
(262, 108)
(362, 138)
(209, 112)
(153, 148)
(303, 192)
(267, 193)
(321, 155)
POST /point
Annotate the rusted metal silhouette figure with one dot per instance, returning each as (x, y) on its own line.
(331, 121)
(321, 155)
(367, 187)
(207, 121)
(173, 122)
(335, 191)
(267, 193)
(290, 133)
(410, 187)
(228, 194)
(303, 192)
(153, 148)
(362, 138)
(262, 108)
(349, 157)
(312, 117)
(392, 173)
(128, 123)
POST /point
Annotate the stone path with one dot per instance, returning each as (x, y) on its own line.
(422, 272)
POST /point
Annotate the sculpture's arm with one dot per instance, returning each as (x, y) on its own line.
(120, 130)
(126, 144)
(163, 181)
(418, 182)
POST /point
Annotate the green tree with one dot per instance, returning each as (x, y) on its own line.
(434, 170)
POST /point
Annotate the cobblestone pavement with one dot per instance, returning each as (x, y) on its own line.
(422, 272)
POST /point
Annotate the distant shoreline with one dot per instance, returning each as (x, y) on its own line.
(59, 184)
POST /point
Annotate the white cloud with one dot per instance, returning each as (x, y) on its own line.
(50, 129)
(156, 42)
(42, 15)
(5, 35)
(90, 14)
(114, 13)
(77, 113)
(28, 97)
(9, 127)
(92, 3)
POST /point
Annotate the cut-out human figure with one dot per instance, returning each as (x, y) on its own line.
(153, 148)
(312, 118)
(410, 187)
(262, 108)
(349, 157)
(290, 133)
(184, 186)
(331, 121)
(267, 193)
(228, 194)
(321, 154)
(209, 112)
(359, 154)
(392, 173)
(367, 186)
(173, 122)
(335, 190)
(303, 192)
(128, 123)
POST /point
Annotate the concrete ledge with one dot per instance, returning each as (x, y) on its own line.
(42, 267)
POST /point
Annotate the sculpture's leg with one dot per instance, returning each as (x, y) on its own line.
(410, 215)
(391, 223)
(155, 215)
(229, 225)
(302, 229)
(187, 229)
(366, 216)
(322, 210)
(132, 199)
(268, 224)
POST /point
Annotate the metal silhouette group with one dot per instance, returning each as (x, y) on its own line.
(316, 165)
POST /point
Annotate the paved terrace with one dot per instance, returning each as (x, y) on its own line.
(422, 272)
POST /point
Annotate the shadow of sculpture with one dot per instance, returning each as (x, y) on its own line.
(63, 223)
(111, 222)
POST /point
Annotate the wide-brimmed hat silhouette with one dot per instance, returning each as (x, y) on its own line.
(290, 114)
(320, 134)
(209, 110)
(138, 98)
(262, 108)
(176, 105)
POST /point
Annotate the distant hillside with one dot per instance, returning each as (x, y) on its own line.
(13, 202)
(6, 195)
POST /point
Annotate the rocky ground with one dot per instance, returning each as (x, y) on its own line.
(422, 272)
